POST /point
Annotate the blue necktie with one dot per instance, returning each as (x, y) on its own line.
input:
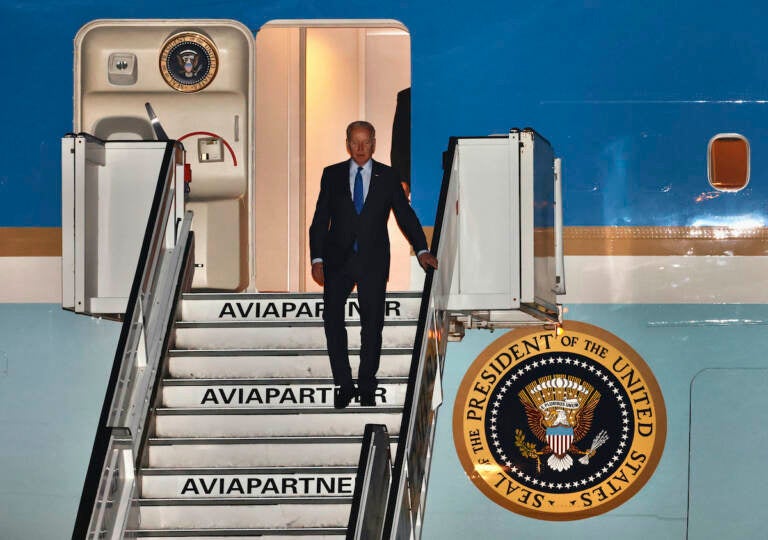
(357, 195)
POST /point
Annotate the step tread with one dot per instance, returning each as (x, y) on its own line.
(191, 411)
(195, 533)
(282, 323)
(261, 295)
(226, 363)
(286, 439)
(242, 501)
(269, 381)
(256, 451)
(229, 471)
(276, 352)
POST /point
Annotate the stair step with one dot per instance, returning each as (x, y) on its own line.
(288, 452)
(270, 482)
(244, 513)
(335, 533)
(247, 444)
(284, 306)
(249, 422)
(259, 364)
(228, 393)
(281, 335)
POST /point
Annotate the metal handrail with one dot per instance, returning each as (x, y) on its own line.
(163, 272)
(374, 473)
(410, 475)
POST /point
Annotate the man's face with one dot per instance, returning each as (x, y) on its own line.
(361, 145)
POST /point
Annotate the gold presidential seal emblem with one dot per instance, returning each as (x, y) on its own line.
(559, 424)
(188, 61)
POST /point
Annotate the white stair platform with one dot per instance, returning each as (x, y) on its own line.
(281, 335)
(271, 482)
(231, 393)
(285, 307)
(262, 364)
(217, 422)
(286, 452)
(229, 513)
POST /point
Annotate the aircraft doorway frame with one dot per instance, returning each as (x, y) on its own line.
(295, 91)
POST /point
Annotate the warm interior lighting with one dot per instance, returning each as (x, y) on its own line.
(316, 76)
(728, 162)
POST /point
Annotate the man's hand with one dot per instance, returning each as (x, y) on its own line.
(426, 260)
(317, 273)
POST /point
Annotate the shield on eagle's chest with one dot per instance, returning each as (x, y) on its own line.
(559, 439)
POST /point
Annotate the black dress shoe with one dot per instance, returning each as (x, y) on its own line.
(367, 399)
(342, 396)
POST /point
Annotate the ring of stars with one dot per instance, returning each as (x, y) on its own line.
(608, 467)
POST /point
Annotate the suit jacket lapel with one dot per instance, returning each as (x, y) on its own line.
(346, 190)
(375, 181)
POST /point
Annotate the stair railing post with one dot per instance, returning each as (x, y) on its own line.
(374, 473)
(126, 488)
(141, 348)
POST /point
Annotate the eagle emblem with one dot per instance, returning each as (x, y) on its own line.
(560, 410)
(189, 62)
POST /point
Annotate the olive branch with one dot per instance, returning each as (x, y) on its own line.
(527, 449)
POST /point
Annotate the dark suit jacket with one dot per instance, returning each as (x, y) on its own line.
(336, 225)
(400, 152)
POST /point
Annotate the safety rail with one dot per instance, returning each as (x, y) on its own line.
(405, 504)
(374, 472)
(163, 272)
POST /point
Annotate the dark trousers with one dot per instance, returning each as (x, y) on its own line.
(371, 292)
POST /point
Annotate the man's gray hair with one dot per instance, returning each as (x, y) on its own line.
(361, 124)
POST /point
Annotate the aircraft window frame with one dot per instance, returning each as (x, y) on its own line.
(743, 164)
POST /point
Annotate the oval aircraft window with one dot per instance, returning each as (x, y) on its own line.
(728, 161)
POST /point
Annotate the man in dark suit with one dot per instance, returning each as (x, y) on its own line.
(349, 244)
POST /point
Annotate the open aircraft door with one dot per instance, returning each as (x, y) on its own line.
(135, 81)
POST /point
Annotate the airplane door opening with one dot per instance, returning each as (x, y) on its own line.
(312, 79)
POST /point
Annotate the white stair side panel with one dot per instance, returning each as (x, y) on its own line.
(269, 395)
(280, 337)
(191, 486)
(269, 425)
(256, 454)
(237, 516)
(264, 366)
(283, 308)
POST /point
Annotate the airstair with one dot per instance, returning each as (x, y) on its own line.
(218, 420)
